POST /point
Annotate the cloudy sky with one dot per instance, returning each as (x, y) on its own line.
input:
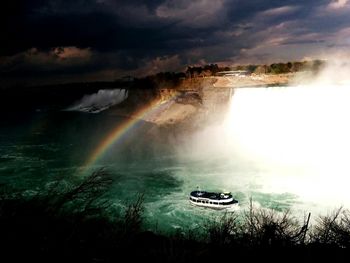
(63, 40)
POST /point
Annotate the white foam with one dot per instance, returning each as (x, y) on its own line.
(100, 101)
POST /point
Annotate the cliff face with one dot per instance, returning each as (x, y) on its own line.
(193, 102)
(185, 103)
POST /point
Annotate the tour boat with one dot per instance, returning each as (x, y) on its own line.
(212, 200)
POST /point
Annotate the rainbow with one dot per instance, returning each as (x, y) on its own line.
(120, 130)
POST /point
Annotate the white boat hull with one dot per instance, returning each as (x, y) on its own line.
(214, 206)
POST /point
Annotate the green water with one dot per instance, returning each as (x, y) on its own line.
(38, 148)
(283, 147)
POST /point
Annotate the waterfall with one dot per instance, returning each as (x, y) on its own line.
(297, 136)
(100, 101)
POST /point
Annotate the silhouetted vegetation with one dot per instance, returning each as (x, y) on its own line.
(74, 222)
(332, 230)
(281, 68)
(204, 71)
(257, 228)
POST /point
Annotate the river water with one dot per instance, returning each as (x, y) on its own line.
(283, 147)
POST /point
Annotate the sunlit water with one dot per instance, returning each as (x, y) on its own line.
(284, 147)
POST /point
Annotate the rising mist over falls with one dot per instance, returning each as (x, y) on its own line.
(285, 147)
(282, 140)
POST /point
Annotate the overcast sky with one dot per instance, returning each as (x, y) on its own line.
(64, 40)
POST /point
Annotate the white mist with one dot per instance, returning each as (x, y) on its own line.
(300, 137)
(277, 142)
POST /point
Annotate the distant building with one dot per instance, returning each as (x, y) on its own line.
(236, 73)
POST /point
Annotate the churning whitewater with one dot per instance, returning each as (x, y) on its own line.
(284, 147)
(299, 137)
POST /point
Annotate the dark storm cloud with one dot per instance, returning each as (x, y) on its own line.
(126, 35)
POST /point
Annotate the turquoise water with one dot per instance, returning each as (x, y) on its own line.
(261, 151)
(39, 148)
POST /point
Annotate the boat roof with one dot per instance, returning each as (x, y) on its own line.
(211, 195)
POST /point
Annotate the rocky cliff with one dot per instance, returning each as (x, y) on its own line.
(193, 102)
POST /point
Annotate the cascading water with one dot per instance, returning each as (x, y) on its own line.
(100, 101)
(286, 147)
(297, 137)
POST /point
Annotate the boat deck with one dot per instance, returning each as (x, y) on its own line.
(212, 199)
(211, 195)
